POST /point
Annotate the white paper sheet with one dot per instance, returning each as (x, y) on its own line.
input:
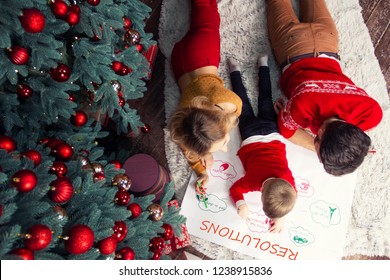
(315, 229)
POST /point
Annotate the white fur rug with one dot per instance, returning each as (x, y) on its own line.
(244, 36)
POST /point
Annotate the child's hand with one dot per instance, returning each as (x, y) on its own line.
(279, 105)
(200, 184)
(243, 211)
(276, 225)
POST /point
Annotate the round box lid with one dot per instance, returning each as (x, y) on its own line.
(143, 170)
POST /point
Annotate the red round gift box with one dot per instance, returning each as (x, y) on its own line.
(147, 176)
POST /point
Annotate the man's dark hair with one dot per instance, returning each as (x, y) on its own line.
(343, 148)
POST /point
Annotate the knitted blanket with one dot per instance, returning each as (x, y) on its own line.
(244, 36)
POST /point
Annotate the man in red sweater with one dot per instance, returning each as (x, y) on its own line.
(325, 112)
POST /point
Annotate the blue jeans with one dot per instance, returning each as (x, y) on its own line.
(266, 121)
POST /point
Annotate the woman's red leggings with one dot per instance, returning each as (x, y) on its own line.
(201, 45)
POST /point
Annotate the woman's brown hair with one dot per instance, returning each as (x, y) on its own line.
(197, 127)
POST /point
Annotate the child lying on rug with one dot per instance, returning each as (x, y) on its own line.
(262, 154)
(207, 110)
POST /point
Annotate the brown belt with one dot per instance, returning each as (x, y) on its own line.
(298, 57)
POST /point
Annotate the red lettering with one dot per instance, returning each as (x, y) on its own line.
(215, 228)
(265, 249)
(293, 256)
(222, 235)
(283, 251)
(204, 224)
(274, 250)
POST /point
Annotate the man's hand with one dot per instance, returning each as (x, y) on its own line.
(276, 225)
(243, 211)
(200, 184)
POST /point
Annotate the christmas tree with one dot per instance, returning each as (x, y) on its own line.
(65, 69)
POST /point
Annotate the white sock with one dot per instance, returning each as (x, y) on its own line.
(233, 65)
(263, 59)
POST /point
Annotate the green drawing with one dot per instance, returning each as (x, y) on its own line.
(300, 240)
(331, 213)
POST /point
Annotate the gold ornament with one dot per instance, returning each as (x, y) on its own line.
(156, 212)
(97, 167)
(121, 181)
(132, 37)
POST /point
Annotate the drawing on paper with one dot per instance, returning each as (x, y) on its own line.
(300, 236)
(324, 213)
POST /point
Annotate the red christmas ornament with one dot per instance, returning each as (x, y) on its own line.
(59, 168)
(139, 47)
(168, 231)
(79, 118)
(156, 244)
(98, 176)
(116, 66)
(135, 210)
(122, 197)
(18, 55)
(156, 256)
(146, 128)
(7, 143)
(62, 151)
(74, 8)
(93, 2)
(61, 73)
(59, 8)
(23, 253)
(117, 163)
(127, 23)
(51, 143)
(120, 230)
(24, 91)
(72, 97)
(1, 210)
(34, 155)
(121, 101)
(126, 253)
(38, 237)
(32, 20)
(24, 180)
(73, 18)
(79, 239)
(61, 190)
(124, 70)
(107, 245)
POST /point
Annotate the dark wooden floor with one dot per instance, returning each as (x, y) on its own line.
(376, 14)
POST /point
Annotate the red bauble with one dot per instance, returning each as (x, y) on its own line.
(38, 237)
(168, 231)
(1, 210)
(51, 143)
(139, 47)
(74, 8)
(122, 197)
(93, 2)
(24, 91)
(59, 168)
(120, 230)
(117, 163)
(7, 143)
(98, 176)
(127, 23)
(79, 239)
(34, 155)
(107, 245)
(156, 256)
(32, 20)
(24, 180)
(73, 18)
(146, 128)
(59, 8)
(61, 73)
(124, 70)
(121, 101)
(116, 66)
(79, 118)
(126, 253)
(18, 55)
(156, 244)
(61, 190)
(62, 151)
(23, 253)
(135, 210)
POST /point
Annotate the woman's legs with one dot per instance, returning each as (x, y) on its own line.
(201, 45)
